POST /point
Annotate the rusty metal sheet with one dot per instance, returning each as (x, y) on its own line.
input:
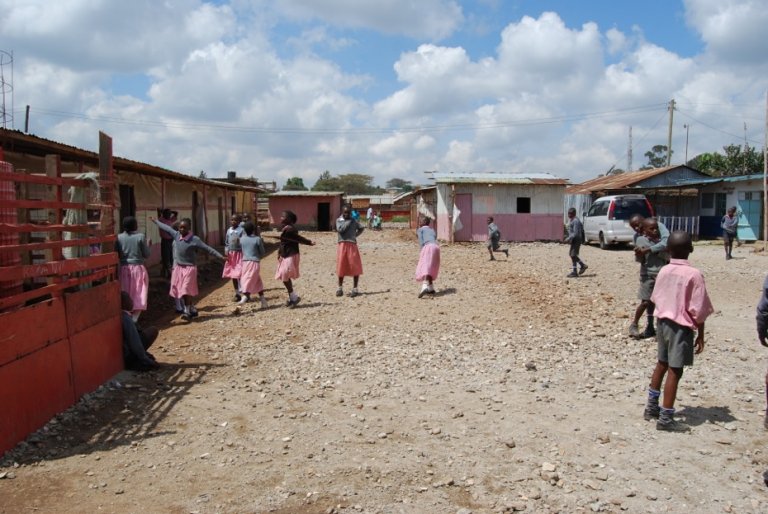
(31, 328)
(33, 390)
(92, 306)
(97, 355)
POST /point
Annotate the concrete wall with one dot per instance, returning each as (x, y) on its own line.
(305, 207)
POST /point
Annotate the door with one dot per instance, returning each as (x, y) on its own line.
(127, 203)
(463, 202)
(750, 213)
(324, 216)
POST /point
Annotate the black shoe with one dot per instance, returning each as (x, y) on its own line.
(651, 412)
(339, 292)
(238, 297)
(668, 424)
(647, 333)
(424, 291)
(572, 274)
(186, 317)
(583, 269)
(506, 252)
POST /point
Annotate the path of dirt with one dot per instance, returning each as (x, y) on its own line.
(513, 389)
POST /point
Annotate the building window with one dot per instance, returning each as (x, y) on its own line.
(707, 200)
(523, 205)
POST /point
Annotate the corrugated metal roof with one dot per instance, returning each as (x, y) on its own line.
(713, 180)
(17, 141)
(497, 178)
(620, 181)
(307, 193)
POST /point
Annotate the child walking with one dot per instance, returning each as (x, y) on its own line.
(650, 265)
(132, 249)
(288, 256)
(348, 262)
(730, 225)
(575, 237)
(682, 306)
(762, 333)
(184, 273)
(234, 253)
(253, 251)
(494, 236)
(429, 257)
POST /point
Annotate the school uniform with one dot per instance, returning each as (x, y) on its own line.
(132, 250)
(253, 251)
(348, 261)
(184, 274)
(288, 256)
(429, 256)
(234, 253)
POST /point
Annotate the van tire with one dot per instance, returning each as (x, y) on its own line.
(603, 244)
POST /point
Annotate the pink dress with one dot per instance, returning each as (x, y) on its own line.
(429, 262)
(348, 261)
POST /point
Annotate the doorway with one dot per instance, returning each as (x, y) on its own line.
(127, 202)
(324, 216)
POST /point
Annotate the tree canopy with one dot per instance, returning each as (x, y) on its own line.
(736, 160)
(398, 183)
(349, 183)
(657, 157)
(295, 184)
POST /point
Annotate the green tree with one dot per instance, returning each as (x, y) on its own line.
(357, 184)
(737, 160)
(202, 174)
(398, 183)
(326, 182)
(657, 157)
(295, 184)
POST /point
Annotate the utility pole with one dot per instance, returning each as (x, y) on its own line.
(687, 127)
(765, 178)
(629, 150)
(669, 136)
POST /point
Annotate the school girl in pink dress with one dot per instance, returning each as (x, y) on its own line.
(234, 253)
(133, 248)
(253, 252)
(348, 261)
(184, 273)
(429, 258)
(288, 257)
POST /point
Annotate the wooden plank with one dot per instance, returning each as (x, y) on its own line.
(33, 390)
(97, 355)
(44, 180)
(8, 273)
(10, 228)
(43, 204)
(32, 247)
(92, 306)
(17, 339)
(56, 289)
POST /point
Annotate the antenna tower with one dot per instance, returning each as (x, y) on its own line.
(6, 89)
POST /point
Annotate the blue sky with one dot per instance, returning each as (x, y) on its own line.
(292, 88)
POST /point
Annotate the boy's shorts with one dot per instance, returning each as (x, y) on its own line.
(574, 250)
(493, 244)
(646, 288)
(674, 343)
(728, 236)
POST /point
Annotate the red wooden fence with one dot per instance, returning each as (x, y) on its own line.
(60, 331)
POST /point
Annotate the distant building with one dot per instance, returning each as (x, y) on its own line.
(526, 207)
(315, 210)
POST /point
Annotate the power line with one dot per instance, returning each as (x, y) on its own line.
(353, 130)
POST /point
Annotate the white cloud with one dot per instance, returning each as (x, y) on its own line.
(734, 30)
(426, 19)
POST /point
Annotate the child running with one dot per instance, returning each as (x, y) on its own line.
(682, 306)
(133, 248)
(253, 251)
(288, 256)
(348, 262)
(730, 225)
(429, 257)
(650, 265)
(234, 253)
(762, 333)
(575, 237)
(184, 273)
(494, 236)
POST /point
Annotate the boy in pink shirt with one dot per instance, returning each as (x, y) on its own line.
(682, 306)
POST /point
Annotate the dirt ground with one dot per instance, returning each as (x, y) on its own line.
(513, 389)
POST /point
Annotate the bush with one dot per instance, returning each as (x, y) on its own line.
(400, 219)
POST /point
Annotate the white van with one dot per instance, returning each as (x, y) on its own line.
(607, 220)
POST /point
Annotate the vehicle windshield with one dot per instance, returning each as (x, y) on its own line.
(625, 208)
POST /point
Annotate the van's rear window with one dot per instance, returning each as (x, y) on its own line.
(626, 208)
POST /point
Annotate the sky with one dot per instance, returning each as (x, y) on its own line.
(387, 88)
